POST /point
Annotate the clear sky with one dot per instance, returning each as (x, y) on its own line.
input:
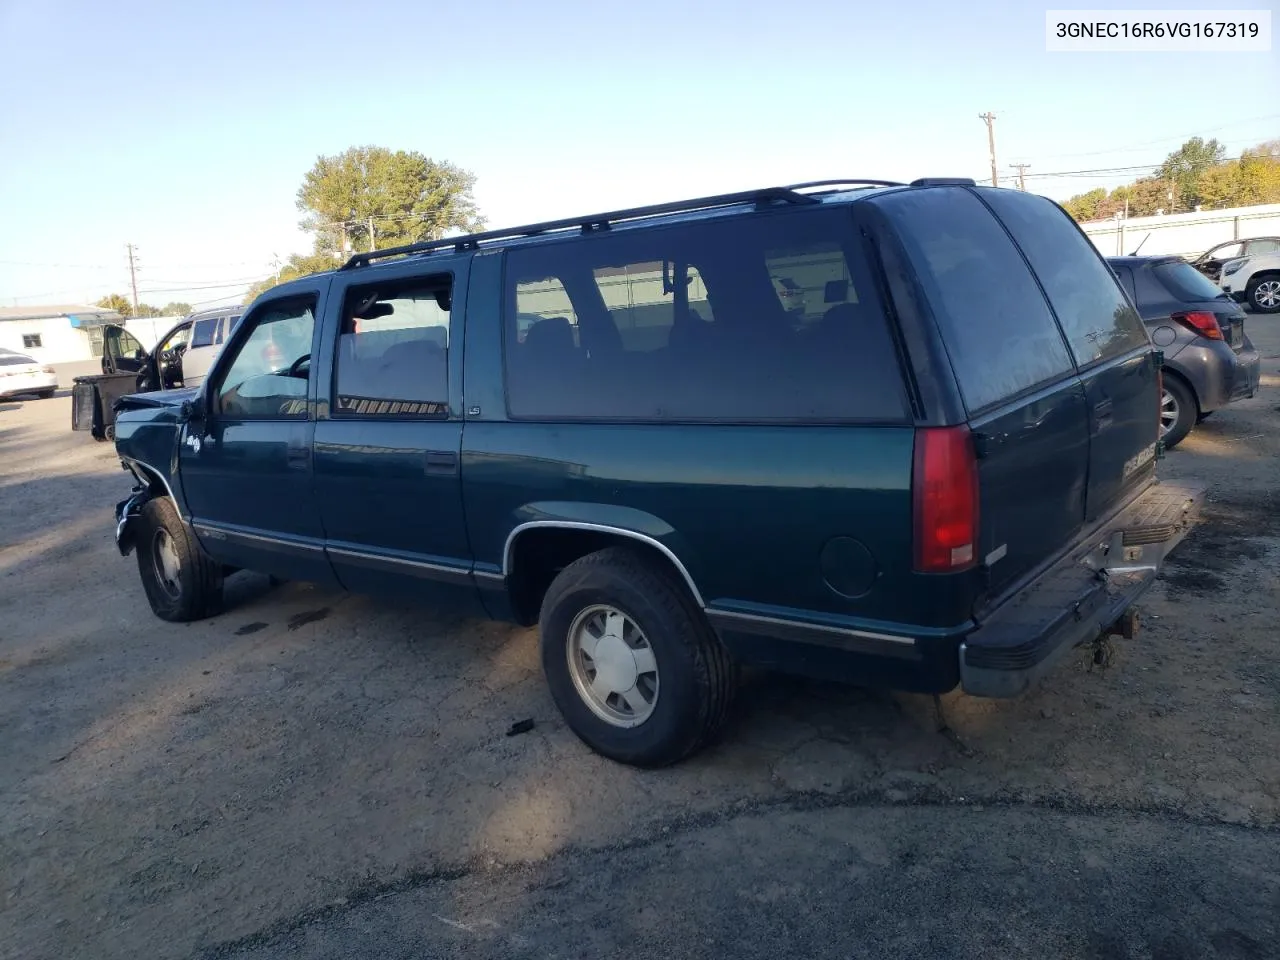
(186, 127)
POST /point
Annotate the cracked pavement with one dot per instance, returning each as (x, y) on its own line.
(315, 774)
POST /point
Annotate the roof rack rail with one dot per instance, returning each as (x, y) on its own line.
(598, 221)
(842, 183)
(944, 182)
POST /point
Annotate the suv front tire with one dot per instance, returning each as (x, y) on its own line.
(633, 665)
(181, 582)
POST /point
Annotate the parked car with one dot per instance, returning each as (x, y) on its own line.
(1210, 262)
(181, 358)
(1209, 361)
(942, 474)
(1254, 281)
(21, 375)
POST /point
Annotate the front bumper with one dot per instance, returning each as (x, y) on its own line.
(1080, 596)
(127, 513)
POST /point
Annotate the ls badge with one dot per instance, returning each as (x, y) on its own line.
(193, 441)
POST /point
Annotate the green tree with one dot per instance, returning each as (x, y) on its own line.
(1084, 206)
(1186, 168)
(117, 302)
(175, 308)
(408, 196)
(299, 265)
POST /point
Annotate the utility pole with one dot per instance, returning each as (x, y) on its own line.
(275, 263)
(990, 119)
(372, 246)
(1022, 175)
(133, 276)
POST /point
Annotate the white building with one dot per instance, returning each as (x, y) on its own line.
(1183, 233)
(63, 333)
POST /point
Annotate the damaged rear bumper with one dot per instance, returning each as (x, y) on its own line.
(1080, 596)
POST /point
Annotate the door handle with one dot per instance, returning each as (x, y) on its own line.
(1102, 412)
(441, 461)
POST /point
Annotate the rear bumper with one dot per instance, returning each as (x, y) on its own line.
(1079, 597)
(1218, 374)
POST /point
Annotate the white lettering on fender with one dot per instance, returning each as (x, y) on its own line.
(1139, 460)
(193, 441)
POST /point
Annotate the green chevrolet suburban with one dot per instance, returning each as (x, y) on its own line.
(901, 435)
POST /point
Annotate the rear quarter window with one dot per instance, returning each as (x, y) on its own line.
(1185, 282)
(994, 321)
(754, 319)
(1098, 321)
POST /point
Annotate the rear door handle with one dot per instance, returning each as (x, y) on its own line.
(441, 461)
(1102, 412)
(298, 455)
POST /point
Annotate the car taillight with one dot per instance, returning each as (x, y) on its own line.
(1201, 322)
(945, 489)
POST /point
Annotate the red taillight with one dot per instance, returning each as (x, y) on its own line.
(945, 487)
(1201, 322)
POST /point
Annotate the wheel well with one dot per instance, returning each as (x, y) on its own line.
(539, 554)
(1262, 274)
(1171, 374)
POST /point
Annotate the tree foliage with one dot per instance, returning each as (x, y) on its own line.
(119, 303)
(1196, 174)
(408, 196)
(299, 265)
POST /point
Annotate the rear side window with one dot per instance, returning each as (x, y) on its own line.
(393, 350)
(1185, 282)
(204, 333)
(1095, 316)
(766, 318)
(997, 328)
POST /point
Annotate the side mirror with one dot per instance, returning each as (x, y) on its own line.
(192, 409)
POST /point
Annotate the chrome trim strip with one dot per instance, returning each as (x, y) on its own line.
(153, 472)
(604, 528)
(218, 531)
(496, 576)
(422, 567)
(806, 625)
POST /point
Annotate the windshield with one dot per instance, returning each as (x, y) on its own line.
(1186, 282)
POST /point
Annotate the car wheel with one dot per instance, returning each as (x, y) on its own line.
(633, 665)
(1263, 293)
(46, 394)
(1178, 411)
(109, 431)
(181, 582)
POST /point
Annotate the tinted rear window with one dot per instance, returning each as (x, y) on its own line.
(1095, 316)
(13, 360)
(764, 318)
(1185, 282)
(997, 328)
(204, 332)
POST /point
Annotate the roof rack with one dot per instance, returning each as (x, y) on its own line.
(844, 183)
(599, 221)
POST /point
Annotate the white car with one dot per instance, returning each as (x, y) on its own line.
(20, 374)
(1254, 281)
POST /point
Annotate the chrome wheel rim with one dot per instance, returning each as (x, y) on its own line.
(1267, 294)
(612, 666)
(1168, 412)
(164, 558)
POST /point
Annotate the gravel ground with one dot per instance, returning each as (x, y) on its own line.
(320, 774)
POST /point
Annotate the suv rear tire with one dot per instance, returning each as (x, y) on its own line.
(1179, 403)
(633, 665)
(1263, 293)
(181, 582)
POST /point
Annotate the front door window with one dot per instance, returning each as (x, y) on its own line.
(267, 377)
